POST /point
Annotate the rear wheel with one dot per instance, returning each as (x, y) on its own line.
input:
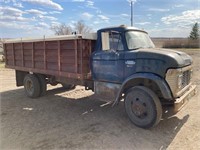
(143, 107)
(43, 84)
(32, 86)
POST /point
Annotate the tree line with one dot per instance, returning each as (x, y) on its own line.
(80, 28)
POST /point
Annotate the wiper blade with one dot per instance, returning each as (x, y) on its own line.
(137, 48)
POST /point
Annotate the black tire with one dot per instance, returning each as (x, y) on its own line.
(43, 84)
(68, 86)
(143, 107)
(31, 86)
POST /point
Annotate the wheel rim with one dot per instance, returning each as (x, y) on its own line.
(143, 107)
(139, 108)
(29, 86)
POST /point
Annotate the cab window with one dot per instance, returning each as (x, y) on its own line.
(115, 41)
(111, 41)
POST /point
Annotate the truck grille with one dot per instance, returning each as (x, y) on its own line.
(186, 78)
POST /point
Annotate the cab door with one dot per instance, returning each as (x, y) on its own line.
(108, 62)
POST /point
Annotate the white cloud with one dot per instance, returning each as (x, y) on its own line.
(13, 18)
(90, 3)
(86, 15)
(143, 23)
(178, 5)
(15, 3)
(19, 5)
(47, 17)
(55, 12)
(25, 29)
(158, 9)
(15, 25)
(103, 17)
(42, 25)
(54, 23)
(96, 22)
(187, 17)
(45, 3)
(98, 11)
(36, 12)
(124, 15)
(78, 0)
(10, 11)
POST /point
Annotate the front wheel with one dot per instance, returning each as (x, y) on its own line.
(143, 107)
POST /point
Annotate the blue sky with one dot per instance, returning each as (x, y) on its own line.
(34, 18)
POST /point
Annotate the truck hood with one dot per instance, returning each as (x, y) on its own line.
(171, 58)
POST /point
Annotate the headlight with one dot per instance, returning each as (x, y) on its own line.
(180, 76)
(173, 79)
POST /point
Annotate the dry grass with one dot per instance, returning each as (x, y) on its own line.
(188, 49)
(176, 43)
(181, 43)
(2, 65)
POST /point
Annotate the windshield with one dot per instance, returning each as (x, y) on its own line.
(137, 39)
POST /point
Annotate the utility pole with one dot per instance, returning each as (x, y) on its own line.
(131, 12)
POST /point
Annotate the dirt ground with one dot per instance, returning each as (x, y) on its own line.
(77, 120)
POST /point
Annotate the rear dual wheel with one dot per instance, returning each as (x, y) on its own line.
(35, 85)
(43, 84)
(143, 107)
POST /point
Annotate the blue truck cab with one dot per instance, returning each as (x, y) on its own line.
(126, 66)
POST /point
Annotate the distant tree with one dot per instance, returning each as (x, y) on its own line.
(79, 27)
(61, 29)
(194, 34)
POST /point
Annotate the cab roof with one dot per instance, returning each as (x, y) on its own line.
(121, 28)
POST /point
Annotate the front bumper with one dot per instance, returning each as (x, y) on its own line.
(181, 101)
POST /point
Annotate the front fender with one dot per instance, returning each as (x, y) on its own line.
(161, 83)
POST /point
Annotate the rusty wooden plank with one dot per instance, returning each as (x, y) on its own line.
(39, 64)
(67, 45)
(32, 54)
(81, 48)
(58, 55)
(5, 50)
(45, 61)
(90, 47)
(76, 56)
(13, 54)
(22, 49)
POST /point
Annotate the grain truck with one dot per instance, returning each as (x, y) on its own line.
(116, 63)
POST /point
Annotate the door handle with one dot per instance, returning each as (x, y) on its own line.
(130, 62)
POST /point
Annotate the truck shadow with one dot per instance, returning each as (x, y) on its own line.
(57, 121)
